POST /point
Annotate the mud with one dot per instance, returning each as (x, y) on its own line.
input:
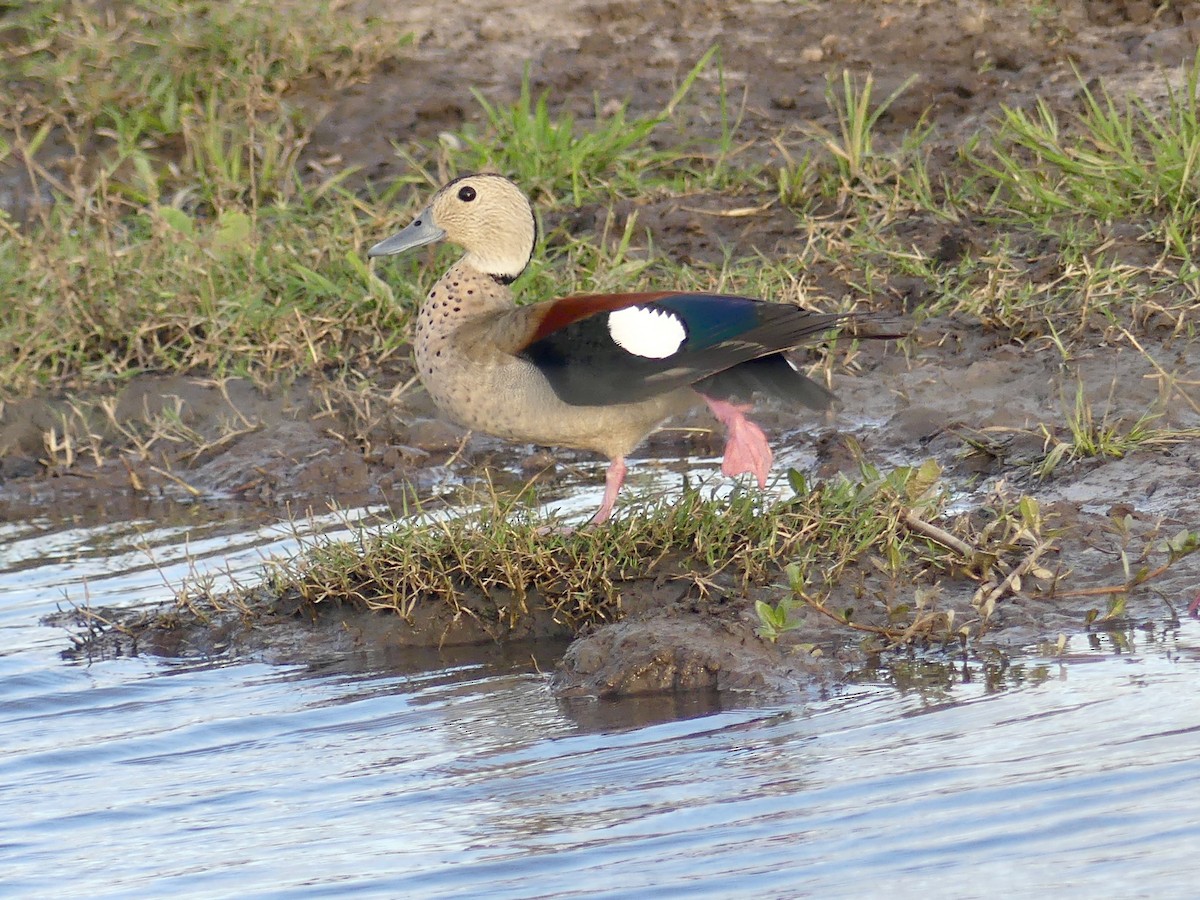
(970, 398)
(968, 57)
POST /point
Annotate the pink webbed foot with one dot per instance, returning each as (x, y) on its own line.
(613, 479)
(1194, 608)
(746, 447)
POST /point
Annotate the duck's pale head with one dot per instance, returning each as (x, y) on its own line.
(486, 215)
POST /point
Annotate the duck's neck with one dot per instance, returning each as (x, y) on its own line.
(502, 266)
(462, 296)
(463, 293)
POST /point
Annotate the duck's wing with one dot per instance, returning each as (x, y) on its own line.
(606, 349)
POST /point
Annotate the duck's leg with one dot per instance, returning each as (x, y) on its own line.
(613, 479)
(746, 447)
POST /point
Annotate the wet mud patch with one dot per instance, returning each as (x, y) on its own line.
(968, 56)
(664, 653)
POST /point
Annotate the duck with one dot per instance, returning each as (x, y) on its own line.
(596, 372)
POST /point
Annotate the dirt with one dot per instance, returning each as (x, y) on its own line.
(958, 390)
(968, 57)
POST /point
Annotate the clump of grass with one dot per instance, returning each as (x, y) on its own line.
(553, 157)
(501, 570)
(1063, 185)
(1042, 198)
(846, 164)
(859, 165)
(914, 543)
(1117, 160)
(174, 293)
(179, 235)
(505, 564)
(1087, 436)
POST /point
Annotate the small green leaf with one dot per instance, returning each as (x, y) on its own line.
(177, 219)
(314, 278)
(923, 479)
(35, 143)
(797, 482)
(773, 619)
(1031, 513)
(1184, 542)
(358, 265)
(795, 577)
(1116, 607)
(895, 560)
(233, 229)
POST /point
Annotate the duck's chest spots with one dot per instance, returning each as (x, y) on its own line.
(440, 314)
(458, 384)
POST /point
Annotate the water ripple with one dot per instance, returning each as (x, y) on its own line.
(469, 779)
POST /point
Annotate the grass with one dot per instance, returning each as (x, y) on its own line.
(556, 160)
(196, 244)
(182, 235)
(585, 572)
(178, 293)
(857, 162)
(1086, 436)
(1115, 160)
(201, 86)
(865, 538)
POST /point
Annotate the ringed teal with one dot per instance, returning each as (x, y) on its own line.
(597, 372)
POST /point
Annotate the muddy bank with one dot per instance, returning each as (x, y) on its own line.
(667, 633)
(973, 403)
(322, 438)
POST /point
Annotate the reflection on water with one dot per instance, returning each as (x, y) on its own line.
(461, 776)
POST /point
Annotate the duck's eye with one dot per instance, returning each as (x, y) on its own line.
(466, 194)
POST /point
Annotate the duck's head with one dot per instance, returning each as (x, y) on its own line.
(486, 215)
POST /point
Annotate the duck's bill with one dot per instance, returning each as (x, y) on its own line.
(421, 231)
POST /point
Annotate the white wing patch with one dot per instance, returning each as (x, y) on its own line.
(652, 333)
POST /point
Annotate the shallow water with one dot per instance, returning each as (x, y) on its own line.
(463, 777)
